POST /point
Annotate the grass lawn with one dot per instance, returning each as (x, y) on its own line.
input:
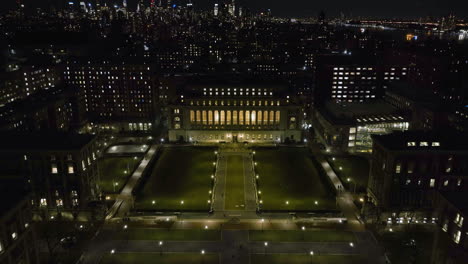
(164, 234)
(168, 258)
(181, 174)
(299, 236)
(234, 183)
(354, 167)
(305, 259)
(116, 170)
(289, 175)
(413, 243)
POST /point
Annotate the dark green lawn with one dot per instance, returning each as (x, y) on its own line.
(299, 235)
(289, 175)
(305, 259)
(115, 171)
(234, 183)
(163, 234)
(165, 258)
(181, 174)
(353, 167)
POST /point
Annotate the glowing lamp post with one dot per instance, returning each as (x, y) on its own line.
(160, 247)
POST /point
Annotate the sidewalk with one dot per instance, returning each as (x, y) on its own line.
(124, 201)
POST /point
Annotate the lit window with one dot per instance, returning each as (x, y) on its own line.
(446, 182)
(436, 144)
(432, 183)
(43, 202)
(423, 144)
(411, 144)
(1, 247)
(14, 235)
(54, 169)
(456, 237)
(398, 168)
(71, 169)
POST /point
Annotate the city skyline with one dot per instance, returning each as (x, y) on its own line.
(304, 8)
(229, 134)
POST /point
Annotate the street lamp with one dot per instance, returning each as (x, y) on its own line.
(303, 233)
(203, 255)
(266, 245)
(311, 254)
(112, 251)
(354, 183)
(160, 247)
(351, 244)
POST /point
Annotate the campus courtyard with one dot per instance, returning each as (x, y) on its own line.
(179, 181)
(290, 180)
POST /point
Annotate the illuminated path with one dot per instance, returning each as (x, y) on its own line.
(124, 201)
(344, 198)
(234, 194)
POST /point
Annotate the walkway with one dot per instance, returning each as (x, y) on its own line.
(224, 171)
(124, 201)
(344, 198)
(234, 247)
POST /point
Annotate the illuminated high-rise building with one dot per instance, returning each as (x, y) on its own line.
(232, 8)
(83, 7)
(124, 4)
(216, 9)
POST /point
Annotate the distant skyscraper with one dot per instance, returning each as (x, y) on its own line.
(83, 7)
(216, 9)
(124, 4)
(232, 8)
(169, 3)
(140, 6)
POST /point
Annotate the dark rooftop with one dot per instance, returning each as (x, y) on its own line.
(351, 113)
(416, 140)
(15, 141)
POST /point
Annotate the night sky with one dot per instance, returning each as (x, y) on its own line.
(307, 8)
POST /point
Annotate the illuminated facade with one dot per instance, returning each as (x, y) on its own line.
(235, 114)
(119, 95)
(349, 127)
(409, 168)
